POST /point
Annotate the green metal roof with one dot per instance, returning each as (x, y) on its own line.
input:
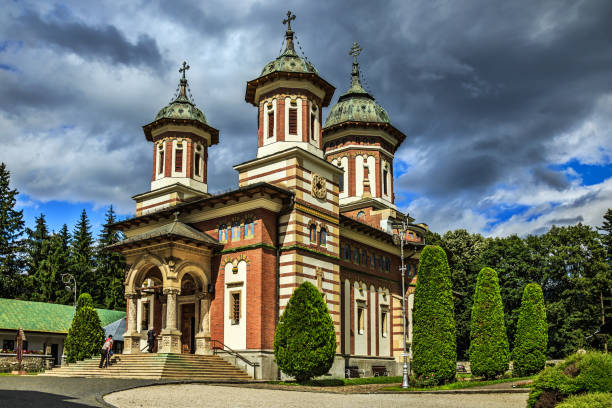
(45, 317)
(289, 61)
(182, 107)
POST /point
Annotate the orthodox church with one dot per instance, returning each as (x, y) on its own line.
(315, 204)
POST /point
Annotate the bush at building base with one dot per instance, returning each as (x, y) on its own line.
(86, 335)
(305, 338)
(531, 341)
(594, 400)
(579, 374)
(489, 354)
(434, 346)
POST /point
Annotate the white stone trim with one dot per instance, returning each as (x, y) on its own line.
(201, 152)
(175, 147)
(160, 148)
(267, 140)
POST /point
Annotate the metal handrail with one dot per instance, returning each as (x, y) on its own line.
(226, 349)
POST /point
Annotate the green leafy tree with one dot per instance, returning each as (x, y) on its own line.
(11, 247)
(82, 260)
(110, 265)
(529, 354)
(86, 335)
(434, 347)
(305, 339)
(489, 353)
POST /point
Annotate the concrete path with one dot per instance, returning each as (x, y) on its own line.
(209, 396)
(51, 392)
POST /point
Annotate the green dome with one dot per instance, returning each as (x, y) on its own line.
(182, 107)
(289, 61)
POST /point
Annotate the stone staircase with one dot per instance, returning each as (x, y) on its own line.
(155, 367)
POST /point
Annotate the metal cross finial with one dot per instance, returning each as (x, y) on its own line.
(288, 20)
(185, 68)
(355, 51)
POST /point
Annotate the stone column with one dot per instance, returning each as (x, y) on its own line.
(203, 336)
(171, 336)
(131, 338)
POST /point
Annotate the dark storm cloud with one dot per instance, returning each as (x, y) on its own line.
(103, 42)
(553, 179)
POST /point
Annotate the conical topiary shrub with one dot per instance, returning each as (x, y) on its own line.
(434, 344)
(305, 338)
(489, 354)
(531, 341)
(86, 335)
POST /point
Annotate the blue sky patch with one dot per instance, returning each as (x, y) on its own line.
(590, 174)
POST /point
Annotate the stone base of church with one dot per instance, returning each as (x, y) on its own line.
(131, 343)
(203, 343)
(170, 342)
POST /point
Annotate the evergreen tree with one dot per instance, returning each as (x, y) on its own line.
(434, 347)
(529, 354)
(86, 335)
(110, 265)
(604, 278)
(37, 247)
(305, 339)
(82, 259)
(56, 262)
(489, 354)
(11, 247)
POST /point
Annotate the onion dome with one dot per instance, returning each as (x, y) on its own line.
(182, 107)
(356, 105)
(289, 60)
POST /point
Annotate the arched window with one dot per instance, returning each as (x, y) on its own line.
(313, 234)
(387, 264)
(347, 252)
(360, 215)
(223, 233)
(323, 237)
(236, 231)
(357, 256)
(249, 228)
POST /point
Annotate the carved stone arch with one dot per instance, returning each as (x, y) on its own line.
(140, 268)
(196, 272)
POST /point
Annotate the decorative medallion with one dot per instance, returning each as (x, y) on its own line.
(319, 186)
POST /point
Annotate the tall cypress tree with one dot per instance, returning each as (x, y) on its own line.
(489, 354)
(434, 344)
(531, 341)
(110, 265)
(82, 259)
(11, 228)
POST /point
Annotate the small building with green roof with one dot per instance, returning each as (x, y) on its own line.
(44, 324)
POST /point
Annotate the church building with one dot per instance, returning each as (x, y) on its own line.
(316, 203)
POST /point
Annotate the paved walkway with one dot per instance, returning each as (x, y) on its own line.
(208, 396)
(51, 392)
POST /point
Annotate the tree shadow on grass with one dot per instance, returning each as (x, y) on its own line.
(35, 399)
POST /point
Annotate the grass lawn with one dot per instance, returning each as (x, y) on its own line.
(460, 384)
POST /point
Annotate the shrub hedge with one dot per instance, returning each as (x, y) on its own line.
(531, 339)
(86, 335)
(579, 374)
(593, 400)
(305, 338)
(489, 353)
(434, 345)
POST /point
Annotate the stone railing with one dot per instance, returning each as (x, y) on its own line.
(30, 362)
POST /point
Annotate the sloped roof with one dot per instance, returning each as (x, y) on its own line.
(45, 317)
(116, 329)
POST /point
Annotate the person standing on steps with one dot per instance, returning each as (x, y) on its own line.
(151, 339)
(105, 352)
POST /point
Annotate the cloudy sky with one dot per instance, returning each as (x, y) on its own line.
(507, 105)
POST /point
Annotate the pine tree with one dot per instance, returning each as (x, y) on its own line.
(82, 259)
(531, 342)
(51, 268)
(434, 344)
(110, 265)
(305, 339)
(37, 247)
(11, 228)
(489, 354)
(86, 335)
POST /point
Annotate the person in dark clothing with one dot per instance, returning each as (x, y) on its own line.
(151, 339)
(105, 351)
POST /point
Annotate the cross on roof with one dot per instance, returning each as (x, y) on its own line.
(355, 51)
(288, 20)
(185, 68)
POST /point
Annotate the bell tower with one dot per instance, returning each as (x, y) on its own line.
(181, 138)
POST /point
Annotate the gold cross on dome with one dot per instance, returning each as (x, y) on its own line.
(355, 51)
(288, 20)
(185, 68)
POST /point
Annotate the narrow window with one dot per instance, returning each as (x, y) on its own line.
(312, 126)
(160, 159)
(360, 320)
(270, 124)
(385, 172)
(347, 252)
(313, 234)
(383, 323)
(341, 181)
(144, 325)
(235, 312)
(178, 159)
(293, 121)
(323, 237)
(196, 160)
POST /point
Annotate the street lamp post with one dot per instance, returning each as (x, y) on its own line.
(69, 280)
(402, 236)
